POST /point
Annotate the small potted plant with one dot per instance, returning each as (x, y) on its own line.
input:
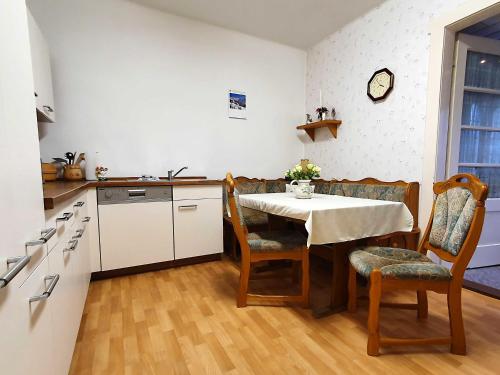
(322, 113)
(100, 173)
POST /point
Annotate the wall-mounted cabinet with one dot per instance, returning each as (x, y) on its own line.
(42, 75)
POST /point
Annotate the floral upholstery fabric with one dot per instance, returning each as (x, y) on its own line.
(396, 263)
(321, 187)
(251, 187)
(392, 193)
(248, 217)
(275, 241)
(254, 217)
(275, 186)
(238, 207)
(453, 212)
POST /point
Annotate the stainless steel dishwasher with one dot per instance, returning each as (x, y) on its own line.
(135, 225)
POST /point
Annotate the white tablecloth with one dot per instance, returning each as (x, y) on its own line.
(333, 218)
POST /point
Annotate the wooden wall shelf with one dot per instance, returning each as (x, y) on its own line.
(311, 128)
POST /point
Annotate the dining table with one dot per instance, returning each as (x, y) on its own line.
(338, 223)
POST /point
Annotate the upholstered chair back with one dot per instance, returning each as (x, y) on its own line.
(453, 213)
(456, 220)
(234, 209)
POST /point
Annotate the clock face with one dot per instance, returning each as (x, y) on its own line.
(380, 84)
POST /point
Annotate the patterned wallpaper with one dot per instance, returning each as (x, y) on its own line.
(383, 140)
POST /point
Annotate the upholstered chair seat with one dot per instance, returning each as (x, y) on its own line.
(452, 234)
(284, 240)
(396, 263)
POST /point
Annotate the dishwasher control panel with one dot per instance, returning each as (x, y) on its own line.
(131, 194)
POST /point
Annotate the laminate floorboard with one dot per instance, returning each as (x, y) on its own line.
(185, 321)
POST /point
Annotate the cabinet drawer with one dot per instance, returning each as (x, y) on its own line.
(36, 326)
(197, 192)
(198, 227)
(63, 218)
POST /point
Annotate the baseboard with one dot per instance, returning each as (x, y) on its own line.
(485, 255)
(154, 266)
(482, 289)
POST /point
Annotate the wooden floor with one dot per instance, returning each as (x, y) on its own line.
(184, 320)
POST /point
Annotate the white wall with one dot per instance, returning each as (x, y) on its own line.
(383, 140)
(148, 91)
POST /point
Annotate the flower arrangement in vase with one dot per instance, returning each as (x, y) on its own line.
(301, 176)
(100, 173)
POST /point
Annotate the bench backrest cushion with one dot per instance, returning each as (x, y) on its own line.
(251, 187)
(275, 186)
(395, 193)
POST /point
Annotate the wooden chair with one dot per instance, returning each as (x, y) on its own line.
(452, 234)
(265, 246)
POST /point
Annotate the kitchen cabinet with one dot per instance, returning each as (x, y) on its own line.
(23, 325)
(34, 330)
(42, 74)
(197, 221)
(66, 260)
(134, 234)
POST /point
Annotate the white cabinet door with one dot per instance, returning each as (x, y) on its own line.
(36, 354)
(42, 73)
(21, 188)
(93, 231)
(198, 227)
(66, 301)
(126, 239)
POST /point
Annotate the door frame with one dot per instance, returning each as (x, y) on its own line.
(439, 89)
(465, 43)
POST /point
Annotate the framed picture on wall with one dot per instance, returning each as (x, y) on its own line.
(237, 104)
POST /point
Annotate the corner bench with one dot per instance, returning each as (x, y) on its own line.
(370, 188)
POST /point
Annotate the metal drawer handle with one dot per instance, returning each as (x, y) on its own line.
(46, 236)
(189, 207)
(65, 217)
(48, 108)
(86, 219)
(78, 204)
(79, 233)
(73, 244)
(19, 264)
(53, 282)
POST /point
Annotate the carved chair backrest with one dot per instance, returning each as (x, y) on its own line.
(456, 221)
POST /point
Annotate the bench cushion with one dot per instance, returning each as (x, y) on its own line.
(275, 186)
(254, 217)
(251, 187)
(393, 193)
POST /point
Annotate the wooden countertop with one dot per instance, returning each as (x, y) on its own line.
(58, 191)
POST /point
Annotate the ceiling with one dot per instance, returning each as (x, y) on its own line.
(298, 23)
(489, 28)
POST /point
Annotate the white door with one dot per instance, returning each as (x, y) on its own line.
(21, 199)
(474, 137)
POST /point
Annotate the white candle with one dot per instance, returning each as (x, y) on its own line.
(320, 99)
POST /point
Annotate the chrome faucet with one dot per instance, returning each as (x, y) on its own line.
(172, 175)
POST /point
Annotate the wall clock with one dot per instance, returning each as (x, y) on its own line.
(380, 84)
